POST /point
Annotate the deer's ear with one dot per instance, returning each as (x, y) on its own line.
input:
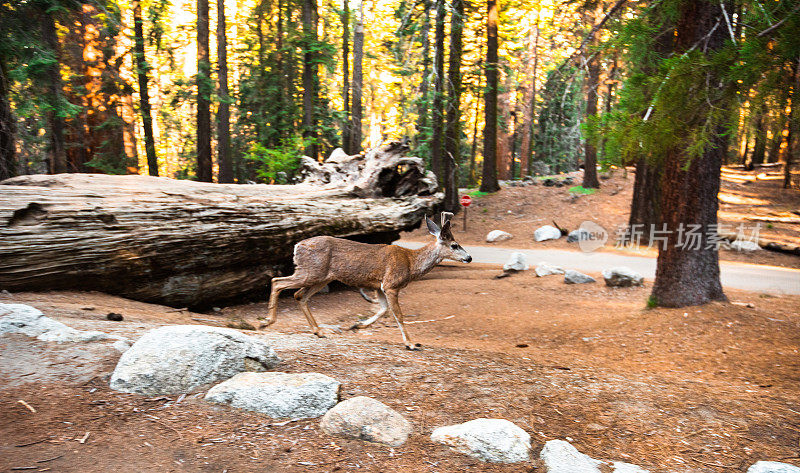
(445, 232)
(432, 227)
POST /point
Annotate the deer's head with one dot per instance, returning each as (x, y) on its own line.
(448, 247)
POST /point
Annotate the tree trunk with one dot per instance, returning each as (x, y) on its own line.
(794, 124)
(204, 173)
(760, 146)
(310, 78)
(592, 81)
(452, 143)
(346, 76)
(489, 179)
(8, 158)
(437, 127)
(526, 150)
(358, 80)
(690, 276)
(224, 110)
(646, 203)
(142, 69)
(58, 154)
(180, 243)
(473, 179)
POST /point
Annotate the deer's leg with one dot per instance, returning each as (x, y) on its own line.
(384, 308)
(302, 297)
(394, 306)
(278, 285)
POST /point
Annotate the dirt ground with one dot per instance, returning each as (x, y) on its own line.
(701, 389)
(744, 195)
(706, 389)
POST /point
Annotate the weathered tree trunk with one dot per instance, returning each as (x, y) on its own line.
(346, 76)
(489, 179)
(526, 148)
(358, 83)
(180, 243)
(8, 158)
(58, 154)
(437, 127)
(142, 69)
(224, 110)
(686, 275)
(310, 78)
(592, 81)
(204, 172)
(646, 202)
(452, 144)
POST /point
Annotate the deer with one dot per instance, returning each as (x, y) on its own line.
(386, 268)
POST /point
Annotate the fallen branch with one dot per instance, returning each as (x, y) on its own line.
(30, 408)
(432, 320)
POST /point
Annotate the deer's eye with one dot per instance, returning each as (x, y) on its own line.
(454, 245)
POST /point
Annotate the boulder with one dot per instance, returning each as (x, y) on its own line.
(622, 276)
(27, 320)
(578, 235)
(560, 456)
(574, 277)
(546, 269)
(744, 245)
(516, 262)
(364, 418)
(547, 232)
(278, 395)
(498, 235)
(180, 358)
(491, 440)
(772, 467)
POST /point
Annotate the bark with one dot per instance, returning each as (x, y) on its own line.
(794, 133)
(526, 150)
(760, 145)
(358, 80)
(180, 243)
(592, 81)
(8, 158)
(224, 111)
(310, 78)
(346, 76)
(689, 276)
(437, 127)
(489, 179)
(422, 109)
(646, 203)
(452, 143)
(58, 155)
(142, 69)
(204, 173)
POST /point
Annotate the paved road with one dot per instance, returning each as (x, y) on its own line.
(751, 277)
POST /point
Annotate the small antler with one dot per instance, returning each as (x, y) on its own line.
(446, 216)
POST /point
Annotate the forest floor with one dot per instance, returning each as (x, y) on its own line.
(744, 196)
(701, 389)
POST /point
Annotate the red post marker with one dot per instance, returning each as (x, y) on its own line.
(466, 201)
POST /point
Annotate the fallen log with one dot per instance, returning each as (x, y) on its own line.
(179, 243)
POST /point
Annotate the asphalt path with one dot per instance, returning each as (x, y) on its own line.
(750, 277)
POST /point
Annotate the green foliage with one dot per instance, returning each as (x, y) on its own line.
(276, 165)
(558, 136)
(582, 190)
(478, 193)
(652, 302)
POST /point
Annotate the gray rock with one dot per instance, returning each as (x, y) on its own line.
(772, 467)
(122, 345)
(364, 418)
(578, 235)
(278, 395)
(547, 232)
(492, 440)
(545, 269)
(179, 358)
(516, 262)
(744, 245)
(622, 276)
(574, 277)
(498, 235)
(540, 168)
(622, 467)
(27, 320)
(560, 456)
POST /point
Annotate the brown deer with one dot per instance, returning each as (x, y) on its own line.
(385, 268)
